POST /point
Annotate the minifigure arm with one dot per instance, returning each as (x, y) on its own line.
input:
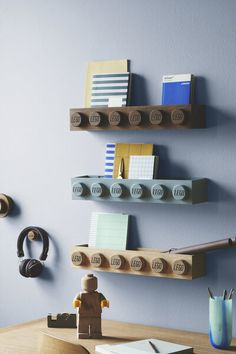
(77, 301)
(105, 303)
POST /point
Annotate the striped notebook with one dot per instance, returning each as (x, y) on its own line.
(109, 160)
(110, 90)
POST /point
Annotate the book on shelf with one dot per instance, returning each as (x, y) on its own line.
(177, 89)
(145, 346)
(110, 89)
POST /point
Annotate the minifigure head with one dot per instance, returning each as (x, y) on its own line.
(89, 283)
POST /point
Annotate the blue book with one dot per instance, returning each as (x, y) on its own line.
(177, 89)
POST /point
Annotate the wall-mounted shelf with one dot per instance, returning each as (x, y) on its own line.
(184, 191)
(141, 261)
(138, 117)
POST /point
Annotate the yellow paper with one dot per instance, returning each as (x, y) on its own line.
(99, 67)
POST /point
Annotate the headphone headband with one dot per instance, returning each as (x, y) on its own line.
(43, 235)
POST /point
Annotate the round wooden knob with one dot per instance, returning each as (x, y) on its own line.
(97, 190)
(180, 267)
(135, 118)
(115, 118)
(116, 190)
(32, 235)
(156, 117)
(79, 189)
(137, 263)
(95, 119)
(177, 117)
(77, 119)
(158, 191)
(180, 192)
(159, 265)
(117, 262)
(97, 260)
(78, 258)
(136, 191)
(5, 205)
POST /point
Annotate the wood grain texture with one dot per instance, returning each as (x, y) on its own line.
(194, 264)
(26, 338)
(138, 117)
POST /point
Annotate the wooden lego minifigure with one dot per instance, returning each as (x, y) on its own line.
(89, 304)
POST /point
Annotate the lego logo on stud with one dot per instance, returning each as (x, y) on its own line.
(95, 119)
(135, 118)
(180, 267)
(180, 192)
(78, 189)
(159, 265)
(136, 191)
(114, 118)
(78, 258)
(137, 263)
(177, 116)
(117, 262)
(158, 191)
(155, 117)
(97, 190)
(116, 190)
(76, 119)
(97, 260)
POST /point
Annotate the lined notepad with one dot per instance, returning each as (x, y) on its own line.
(109, 230)
(106, 87)
(143, 167)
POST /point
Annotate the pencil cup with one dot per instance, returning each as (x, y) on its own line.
(220, 322)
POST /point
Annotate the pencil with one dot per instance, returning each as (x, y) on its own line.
(153, 347)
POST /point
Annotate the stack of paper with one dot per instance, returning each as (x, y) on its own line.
(109, 230)
(146, 346)
(124, 151)
(177, 89)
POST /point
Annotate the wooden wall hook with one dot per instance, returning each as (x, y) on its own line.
(5, 205)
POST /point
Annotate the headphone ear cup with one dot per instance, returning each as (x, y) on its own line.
(22, 267)
(33, 268)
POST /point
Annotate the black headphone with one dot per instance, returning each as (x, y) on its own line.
(32, 268)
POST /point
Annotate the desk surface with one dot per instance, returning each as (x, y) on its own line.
(23, 338)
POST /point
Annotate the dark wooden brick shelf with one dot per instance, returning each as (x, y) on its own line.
(138, 117)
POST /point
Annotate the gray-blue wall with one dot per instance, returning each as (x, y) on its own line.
(44, 47)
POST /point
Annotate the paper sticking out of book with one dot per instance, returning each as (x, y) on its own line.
(143, 167)
(146, 346)
(110, 89)
(177, 89)
(109, 230)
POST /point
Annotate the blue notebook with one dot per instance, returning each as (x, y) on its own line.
(177, 89)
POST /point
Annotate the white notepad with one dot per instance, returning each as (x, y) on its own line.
(143, 167)
(109, 230)
(144, 347)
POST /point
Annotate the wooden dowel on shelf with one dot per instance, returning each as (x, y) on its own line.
(205, 247)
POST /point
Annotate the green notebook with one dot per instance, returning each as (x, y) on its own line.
(109, 230)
